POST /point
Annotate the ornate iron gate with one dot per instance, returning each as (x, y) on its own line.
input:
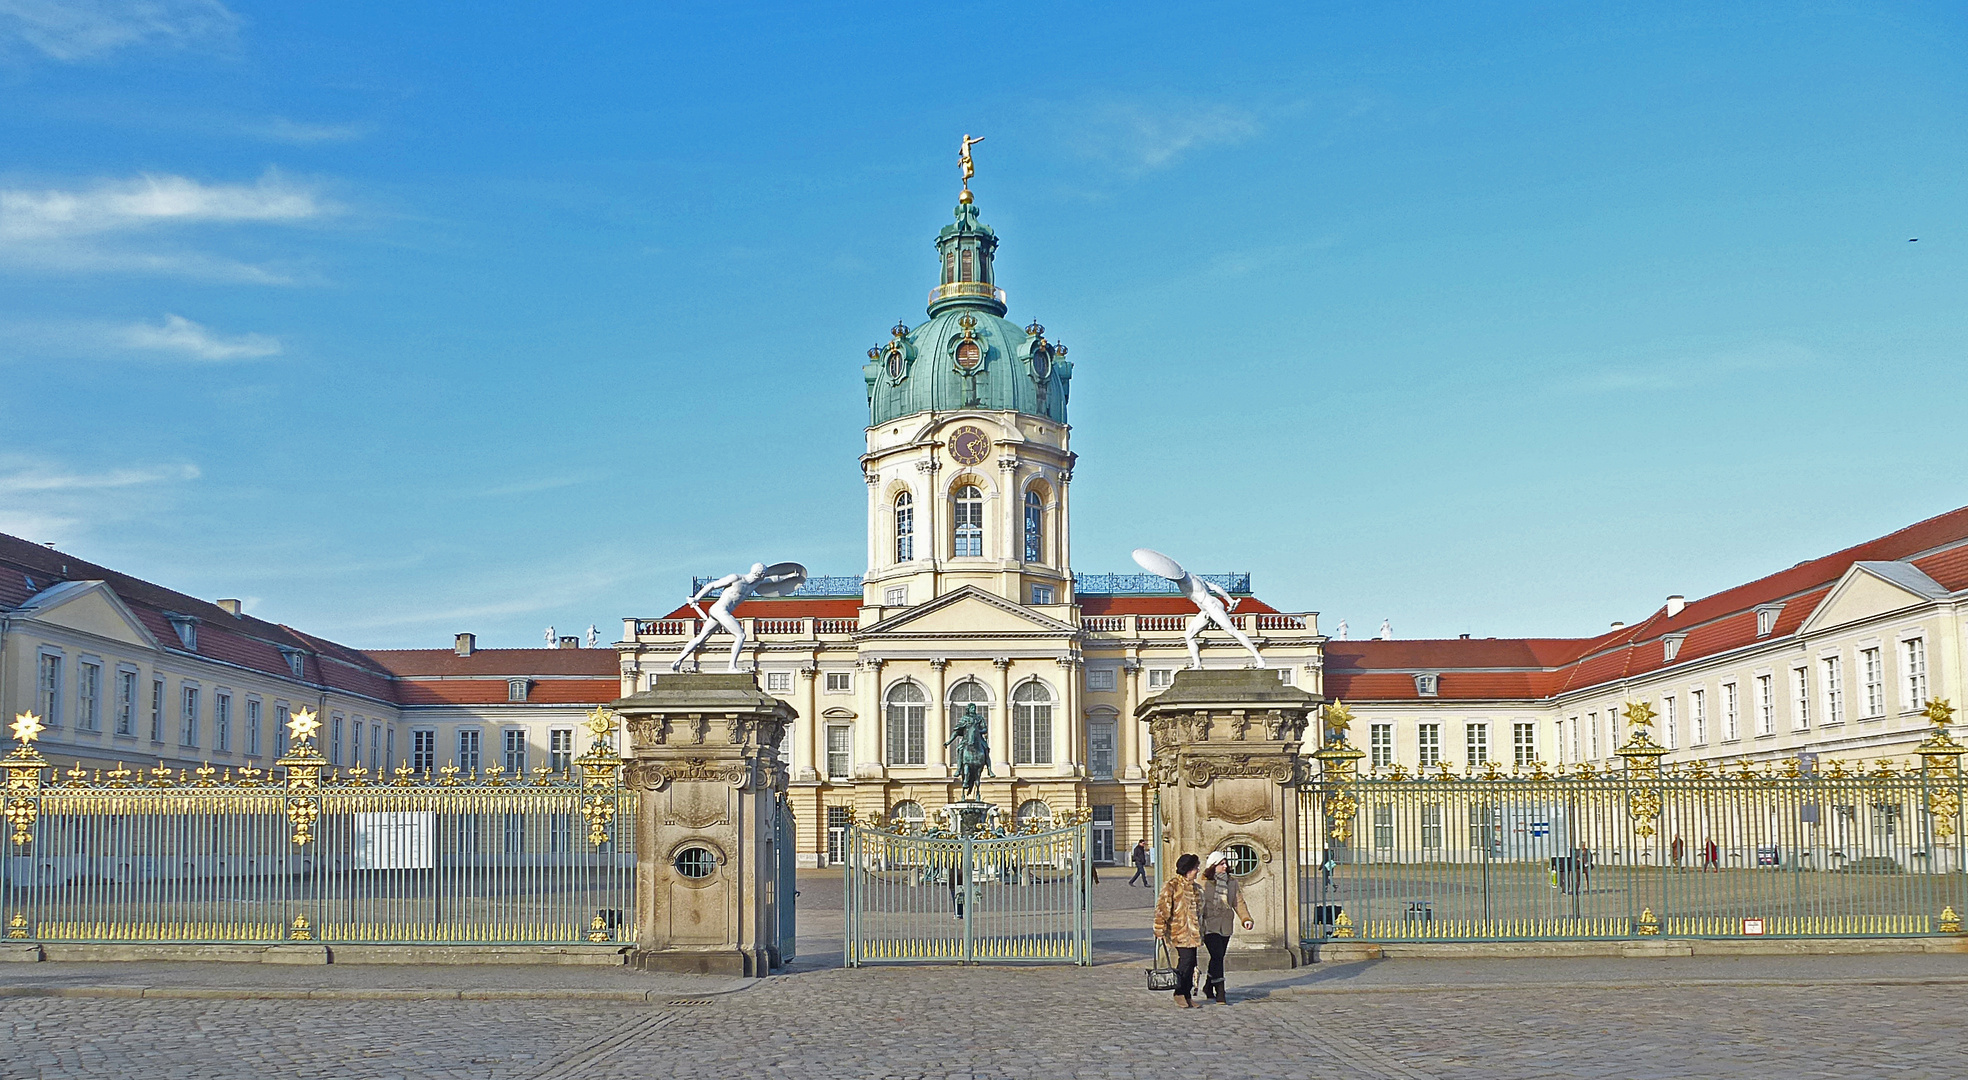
(1021, 898)
(788, 883)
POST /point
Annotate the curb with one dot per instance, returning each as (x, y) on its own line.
(1258, 994)
(213, 993)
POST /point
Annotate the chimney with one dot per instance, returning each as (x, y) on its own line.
(1618, 625)
(467, 644)
(1464, 637)
(570, 642)
(1675, 604)
(230, 607)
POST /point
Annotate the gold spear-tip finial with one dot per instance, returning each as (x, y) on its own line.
(303, 725)
(969, 168)
(27, 727)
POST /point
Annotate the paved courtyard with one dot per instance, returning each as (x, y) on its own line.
(1694, 1017)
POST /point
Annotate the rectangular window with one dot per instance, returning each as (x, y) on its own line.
(1100, 678)
(423, 750)
(376, 758)
(281, 735)
(1429, 737)
(837, 834)
(1670, 724)
(1159, 678)
(1103, 833)
(51, 689)
(1383, 819)
(468, 750)
(1834, 689)
(1731, 712)
(1041, 594)
(840, 682)
(840, 752)
(560, 749)
(778, 682)
(355, 743)
(1476, 742)
(389, 746)
(1592, 732)
(895, 596)
(188, 717)
(515, 751)
(1875, 681)
(1575, 741)
(1698, 716)
(1031, 732)
(88, 696)
(335, 740)
(222, 722)
(1523, 740)
(157, 711)
(126, 703)
(1431, 826)
(1766, 706)
(1913, 656)
(1800, 698)
(252, 727)
(1380, 743)
(1485, 829)
(1100, 750)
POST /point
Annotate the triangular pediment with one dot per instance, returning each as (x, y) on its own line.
(1871, 589)
(91, 607)
(969, 612)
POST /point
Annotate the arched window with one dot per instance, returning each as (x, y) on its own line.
(969, 692)
(907, 706)
(1034, 527)
(908, 814)
(905, 527)
(969, 518)
(966, 274)
(1031, 724)
(1034, 811)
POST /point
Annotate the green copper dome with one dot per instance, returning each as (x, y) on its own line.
(968, 355)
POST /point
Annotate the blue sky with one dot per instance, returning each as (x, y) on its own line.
(400, 320)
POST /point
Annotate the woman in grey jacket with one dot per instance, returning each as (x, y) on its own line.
(1223, 910)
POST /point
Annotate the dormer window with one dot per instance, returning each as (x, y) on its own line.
(516, 689)
(1426, 684)
(187, 628)
(1766, 618)
(1671, 647)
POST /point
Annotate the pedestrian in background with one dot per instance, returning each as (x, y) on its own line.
(1179, 923)
(1223, 910)
(1140, 858)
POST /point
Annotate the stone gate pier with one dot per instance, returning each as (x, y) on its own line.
(1228, 762)
(701, 756)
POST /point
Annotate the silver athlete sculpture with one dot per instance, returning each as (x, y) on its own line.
(761, 580)
(1208, 608)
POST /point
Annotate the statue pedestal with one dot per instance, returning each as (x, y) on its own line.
(700, 754)
(968, 818)
(1228, 764)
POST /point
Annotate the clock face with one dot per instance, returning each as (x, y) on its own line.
(1041, 362)
(969, 446)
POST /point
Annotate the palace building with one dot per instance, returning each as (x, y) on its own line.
(970, 596)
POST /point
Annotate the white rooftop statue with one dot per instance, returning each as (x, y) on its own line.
(551, 639)
(761, 580)
(1387, 629)
(594, 636)
(1208, 608)
(1339, 632)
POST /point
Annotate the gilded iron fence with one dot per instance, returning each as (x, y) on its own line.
(313, 853)
(1639, 851)
(927, 898)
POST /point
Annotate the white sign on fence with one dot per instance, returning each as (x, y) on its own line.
(395, 841)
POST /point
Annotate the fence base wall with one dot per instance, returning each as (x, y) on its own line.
(1346, 952)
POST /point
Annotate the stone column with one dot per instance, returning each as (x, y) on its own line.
(1228, 762)
(936, 726)
(706, 868)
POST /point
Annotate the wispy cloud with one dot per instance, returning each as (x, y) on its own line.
(42, 478)
(1139, 137)
(533, 487)
(301, 133)
(183, 337)
(75, 230)
(1693, 368)
(72, 30)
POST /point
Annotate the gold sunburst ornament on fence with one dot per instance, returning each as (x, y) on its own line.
(24, 767)
(601, 771)
(303, 764)
(1940, 758)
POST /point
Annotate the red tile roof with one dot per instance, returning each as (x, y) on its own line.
(502, 663)
(413, 692)
(1520, 668)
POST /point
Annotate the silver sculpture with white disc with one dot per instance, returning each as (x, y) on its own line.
(1204, 595)
(778, 579)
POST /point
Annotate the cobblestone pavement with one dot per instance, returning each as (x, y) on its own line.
(1790, 1018)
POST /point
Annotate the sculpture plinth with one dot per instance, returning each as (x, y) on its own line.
(1229, 759)
(701, 755)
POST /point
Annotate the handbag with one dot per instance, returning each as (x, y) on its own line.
(1161, 980)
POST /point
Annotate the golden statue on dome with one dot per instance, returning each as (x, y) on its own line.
(969, 167)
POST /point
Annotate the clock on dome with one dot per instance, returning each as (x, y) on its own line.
(969, 446)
